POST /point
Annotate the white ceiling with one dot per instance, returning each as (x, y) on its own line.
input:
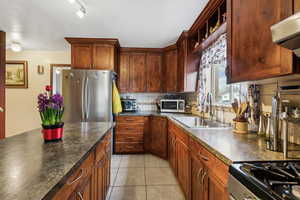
(43, 24)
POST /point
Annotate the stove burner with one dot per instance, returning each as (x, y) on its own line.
(281, 178)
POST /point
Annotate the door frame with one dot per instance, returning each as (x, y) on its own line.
(2, 82)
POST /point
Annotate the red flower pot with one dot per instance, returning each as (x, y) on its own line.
(53, 133)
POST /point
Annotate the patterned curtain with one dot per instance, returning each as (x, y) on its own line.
(214, 54)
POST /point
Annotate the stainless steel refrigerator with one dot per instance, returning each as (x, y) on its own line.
(87, 95)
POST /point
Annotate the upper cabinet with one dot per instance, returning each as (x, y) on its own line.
(154, 72)
(170, 69)
(251, 53)
(94, 53)
(140, 70)
(188, 65)
(137, 72)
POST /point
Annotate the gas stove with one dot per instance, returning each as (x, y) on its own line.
(278, 180)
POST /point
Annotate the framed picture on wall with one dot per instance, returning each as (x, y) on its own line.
(16, 74)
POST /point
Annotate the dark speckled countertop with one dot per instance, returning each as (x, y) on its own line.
(223, 143)
(31, 169)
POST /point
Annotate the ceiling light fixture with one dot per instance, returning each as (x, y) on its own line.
(80, 6)
(16, 47)
(81, 13)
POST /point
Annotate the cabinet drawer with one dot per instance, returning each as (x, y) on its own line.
(83, 171)
(202, 154)
(130, 138)
(135, 128)
(130, 119)
(129, 147)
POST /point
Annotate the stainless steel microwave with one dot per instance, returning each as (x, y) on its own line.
(172, 105)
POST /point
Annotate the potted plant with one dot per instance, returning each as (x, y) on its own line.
(51, 110)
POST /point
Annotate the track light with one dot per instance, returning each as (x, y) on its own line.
(16, 47)
(81, 13)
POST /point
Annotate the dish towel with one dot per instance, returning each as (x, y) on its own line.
(117, 106)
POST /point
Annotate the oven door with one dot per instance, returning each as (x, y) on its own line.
(169, 105)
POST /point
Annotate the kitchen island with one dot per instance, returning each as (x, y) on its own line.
(32, 169)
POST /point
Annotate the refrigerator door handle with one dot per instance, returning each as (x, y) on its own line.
(87, 98)
(83, 100)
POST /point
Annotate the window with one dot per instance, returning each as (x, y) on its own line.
(213, 78)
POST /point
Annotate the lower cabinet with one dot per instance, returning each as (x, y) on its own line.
(179, 156)
(172, 150)
(129, 135)
(91, 180)
(199, 187)
(157, 137)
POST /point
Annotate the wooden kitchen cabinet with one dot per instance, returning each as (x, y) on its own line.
(183, 166)
(124, 73)
(251, 54)
(82, 56)
(130, 131)
(140, 70)
(154, 72)
(94, 53)
(209, 174)
(170, 70)
(91, 180)
(188, 65)
(172, 150)
(137, 72)
(158, 136)
(199, 186)
(179, 156)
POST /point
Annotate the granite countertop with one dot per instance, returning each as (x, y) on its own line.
(223, 143)
(32, 169)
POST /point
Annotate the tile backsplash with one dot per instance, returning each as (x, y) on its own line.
(147, 101)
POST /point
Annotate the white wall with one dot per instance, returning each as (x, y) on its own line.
(21, 111)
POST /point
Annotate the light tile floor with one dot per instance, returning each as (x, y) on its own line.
(142, 177)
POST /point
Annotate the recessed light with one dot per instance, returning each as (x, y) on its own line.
(71, 1)
(16, 47)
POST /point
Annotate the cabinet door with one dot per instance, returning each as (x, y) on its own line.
(137, 72)
(251, 54)
(85, 190)
(82, 56)
(99, 179)
(103, 57)
(154, 72)
(159, 136)
(198, 180)
(172, 152)
(123, 80)
(216, 190)
(170, 71)
(183, 167)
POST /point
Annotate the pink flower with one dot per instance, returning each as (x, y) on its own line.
(48, 88)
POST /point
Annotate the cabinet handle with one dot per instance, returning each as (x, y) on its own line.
(203, 177)
(80, 195)
(199, 172)
(76, 179)
(203, 157)
(100, 163)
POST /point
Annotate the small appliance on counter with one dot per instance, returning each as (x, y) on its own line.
(277, 180)
(172, 105)
(129, 105)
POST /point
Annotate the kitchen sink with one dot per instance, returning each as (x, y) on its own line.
(200, 123)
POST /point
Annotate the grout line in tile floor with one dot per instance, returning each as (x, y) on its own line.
(154, 189)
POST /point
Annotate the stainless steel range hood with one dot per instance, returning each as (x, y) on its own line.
(287, 33)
